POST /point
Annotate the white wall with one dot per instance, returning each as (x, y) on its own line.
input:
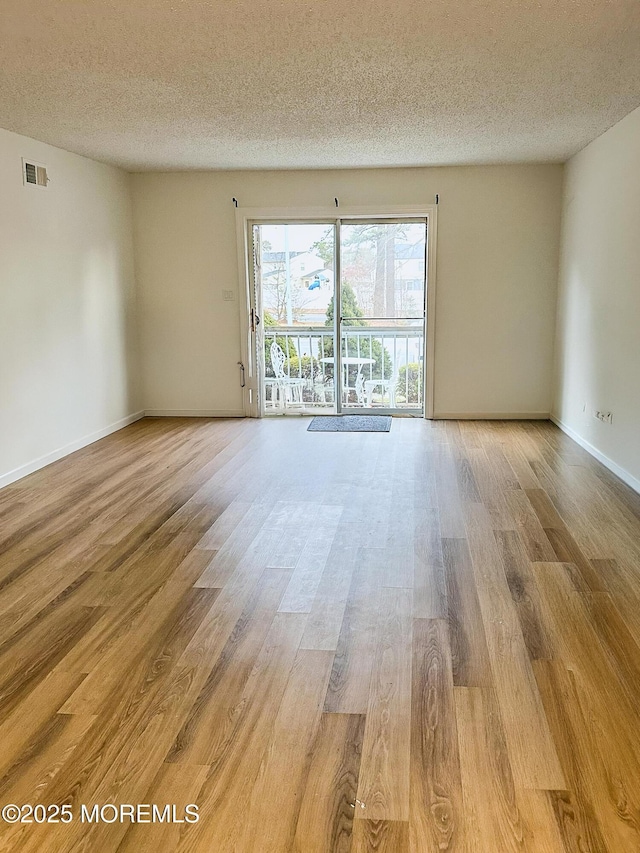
(67, 305)
(498, 242)
(598, 330)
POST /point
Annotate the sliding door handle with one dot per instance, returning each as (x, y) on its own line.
(241, 366)
(255, 320)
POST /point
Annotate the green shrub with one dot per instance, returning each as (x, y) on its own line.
(414, 371)
(307, 367)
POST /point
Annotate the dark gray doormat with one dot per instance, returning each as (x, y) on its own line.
(351, 423)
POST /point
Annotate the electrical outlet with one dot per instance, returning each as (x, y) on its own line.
(227, 295)
(605, 417)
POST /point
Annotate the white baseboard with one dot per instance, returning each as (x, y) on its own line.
(194, 413)
(491, 416)
(36, 464)
(624, 475)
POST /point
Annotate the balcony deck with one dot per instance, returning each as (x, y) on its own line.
(388, 359)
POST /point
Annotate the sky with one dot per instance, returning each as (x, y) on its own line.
(301, 236)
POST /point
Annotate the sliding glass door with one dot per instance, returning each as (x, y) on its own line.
(382, 298)
(294, 295)
(338, 315)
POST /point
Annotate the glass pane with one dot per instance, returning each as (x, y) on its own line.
(383, 301)
(294, 271)
(383, 271)
(296, 267)
(383, 368)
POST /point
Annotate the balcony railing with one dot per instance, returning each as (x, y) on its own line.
(382, 367)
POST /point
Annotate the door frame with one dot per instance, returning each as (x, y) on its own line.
(245, 216)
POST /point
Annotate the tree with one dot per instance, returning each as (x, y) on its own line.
(368, 347)
(274, 288)
(390, 271)
(325, 248)
(350, 307)
(378, 287)
(372, 247)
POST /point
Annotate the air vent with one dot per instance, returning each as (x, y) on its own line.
(34, 174)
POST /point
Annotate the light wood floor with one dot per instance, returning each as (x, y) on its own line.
(426, 640)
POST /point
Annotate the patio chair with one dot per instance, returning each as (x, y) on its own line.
(360, 391)
(320, 384)
(323, 389)
(287, 389)
(387, 386)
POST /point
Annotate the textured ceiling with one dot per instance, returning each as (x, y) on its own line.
(181, 84)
